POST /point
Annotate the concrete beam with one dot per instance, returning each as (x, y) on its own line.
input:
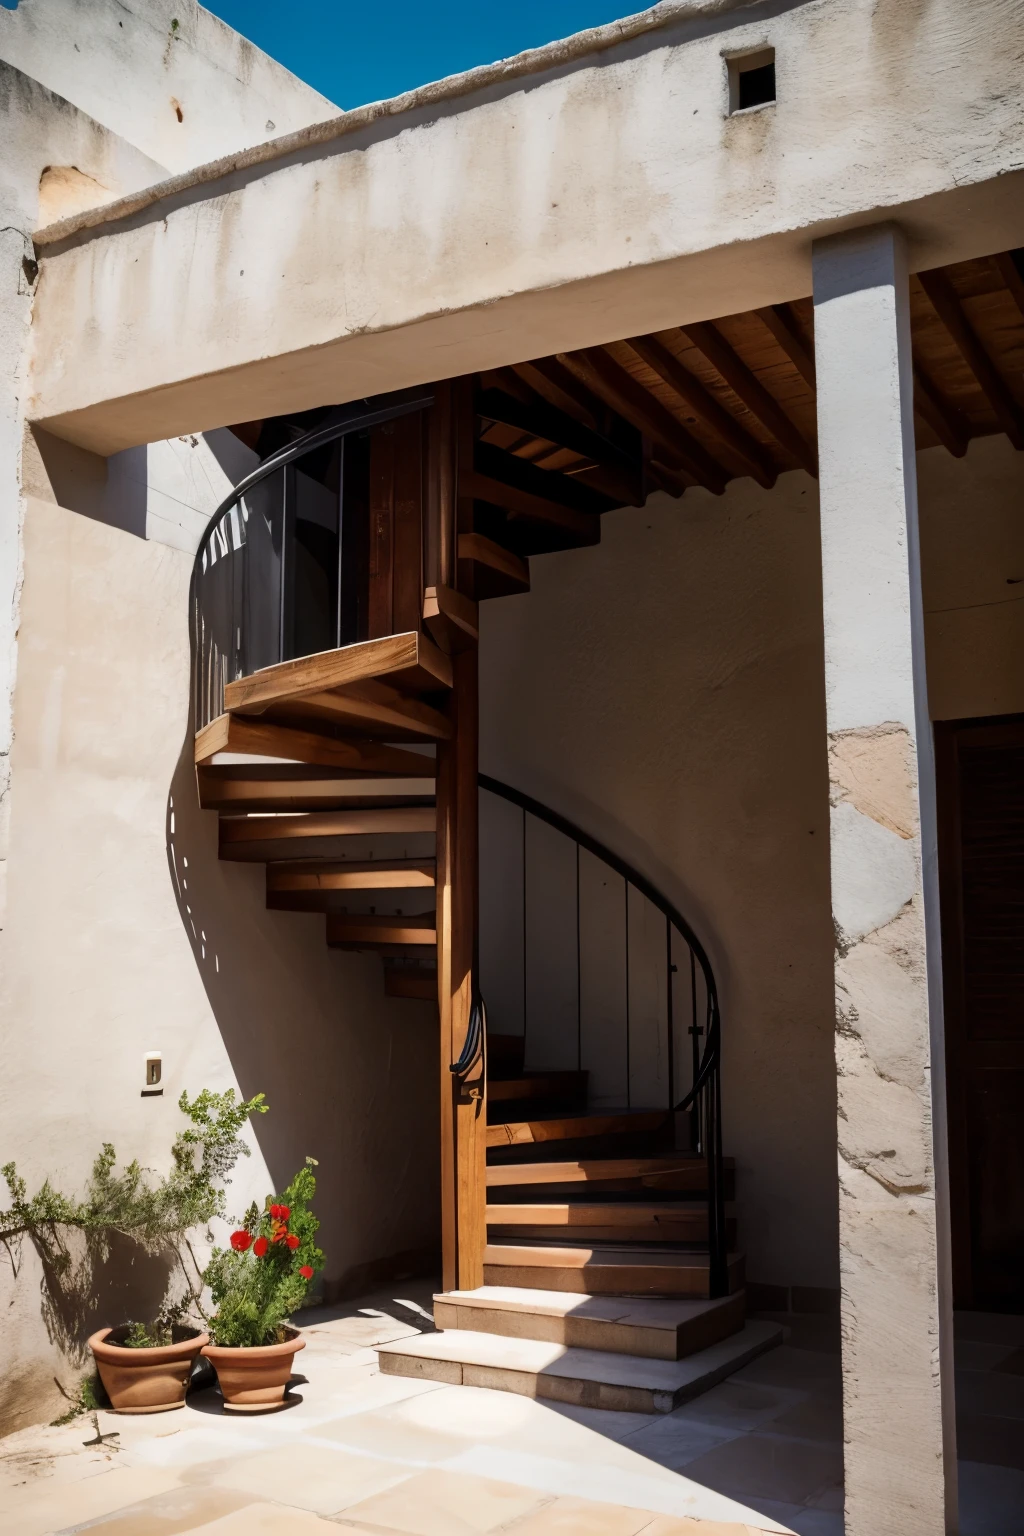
(511, 213)
(893, 1199)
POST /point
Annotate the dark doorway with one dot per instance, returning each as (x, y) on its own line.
(980, 773)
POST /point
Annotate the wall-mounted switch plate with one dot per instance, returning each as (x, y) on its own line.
(154, 1073)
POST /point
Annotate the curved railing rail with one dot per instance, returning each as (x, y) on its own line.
(269, 581)
(702, 1097)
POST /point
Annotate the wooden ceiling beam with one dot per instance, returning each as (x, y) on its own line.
(944, 420)
(745, 384)
(604, 376)
(782, 323)
(947, 306)
(704, 405)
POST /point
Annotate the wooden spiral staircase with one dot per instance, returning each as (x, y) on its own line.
(576, 1239)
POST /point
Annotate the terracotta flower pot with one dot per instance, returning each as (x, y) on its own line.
(145, 1380)
(253, 1379)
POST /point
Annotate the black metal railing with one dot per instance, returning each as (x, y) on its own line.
(691, 1085)
(275, 573)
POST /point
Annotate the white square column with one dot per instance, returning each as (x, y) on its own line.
(900, 1449)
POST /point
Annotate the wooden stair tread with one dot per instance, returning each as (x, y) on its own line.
(508, 573)
(567, 1213)
(244, 735)
(655, 1327)
(574, 1127)
(221, 789)
(633, 1270)
(556, 1255)
(262, 829)
(534, 1085)
(585, 1377)
(373, 709)
(381, 928)
(332, 875)
(601, 1170)
(409, 661)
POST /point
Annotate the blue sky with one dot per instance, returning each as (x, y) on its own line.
(357, 53)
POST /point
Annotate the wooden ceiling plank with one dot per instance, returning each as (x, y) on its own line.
(944, 420)
(782, 324)
(668, 368)
(947, 306)
(748, 388)
(620, 390)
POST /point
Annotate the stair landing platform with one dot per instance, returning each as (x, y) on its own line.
(585, 1378)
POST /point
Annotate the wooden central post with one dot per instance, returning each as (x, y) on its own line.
(463, 1098)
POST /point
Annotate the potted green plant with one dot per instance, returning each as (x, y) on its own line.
(256, 1284)
(147, 1370)
(144, 1369)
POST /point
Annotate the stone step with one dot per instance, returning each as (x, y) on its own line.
(653, 1329)
(585, 1378)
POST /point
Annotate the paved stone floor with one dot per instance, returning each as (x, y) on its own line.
(381, 1455)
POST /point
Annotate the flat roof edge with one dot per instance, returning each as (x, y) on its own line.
(533, 61)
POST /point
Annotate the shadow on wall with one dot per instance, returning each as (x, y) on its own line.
(350, 1075)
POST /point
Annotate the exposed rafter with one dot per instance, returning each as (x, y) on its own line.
(704, 405)
(947, 306)
(944, 420)
(780, 320)
(601, 374)
(749, 389)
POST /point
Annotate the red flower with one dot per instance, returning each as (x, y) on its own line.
(292, 1241)
(280, 1235)
(280, 1212)
(260, 1247)
(240, 1240)
(306, 1272)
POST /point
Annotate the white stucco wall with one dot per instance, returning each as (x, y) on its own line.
(40, 130)
(126, 934)
(601, 198)
(165, 75)
(665, 690)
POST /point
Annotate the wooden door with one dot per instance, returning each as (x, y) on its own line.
(980, 769)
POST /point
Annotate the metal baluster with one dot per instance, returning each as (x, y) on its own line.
(339, 630)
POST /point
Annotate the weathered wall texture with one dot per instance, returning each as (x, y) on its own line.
(101, 961)
(602, 200)
(665, 691)
(39, 131)
(163, 74)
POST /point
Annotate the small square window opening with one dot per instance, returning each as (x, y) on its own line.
(752, 80)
